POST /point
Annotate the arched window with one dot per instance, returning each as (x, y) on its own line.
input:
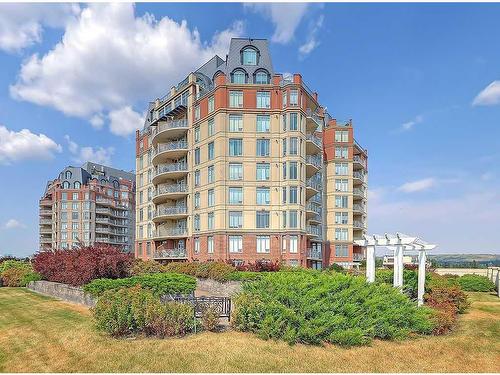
(239, 76)
(68, 175)
(77, 185)
(65, 185)
(249, 56)
(116, 184)
(261, 77)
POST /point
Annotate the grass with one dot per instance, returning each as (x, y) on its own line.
(40, 334)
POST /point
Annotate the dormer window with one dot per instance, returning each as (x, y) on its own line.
(261, 77)
(239, 76)
(249, 56)
(68, 175)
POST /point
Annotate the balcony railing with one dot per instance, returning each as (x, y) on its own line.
(314, 230)
(313, 206)
(171, 167)
(102, 220)
(46, 221)
(172, 188)
(45, 212)
(171, 146)
(360, 160)
(314, 139)
(313, 253)
(180, 210)
(171, 124)
(166, 232)
(359, 175)
(170, 253)
(314, 116)
(358, 224)
(314, 160)
(357, 257)
(314, 183)
(359, 207)
(360, 192)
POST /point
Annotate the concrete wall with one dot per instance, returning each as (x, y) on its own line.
(62, 291)
(208, 287)
(461, 271)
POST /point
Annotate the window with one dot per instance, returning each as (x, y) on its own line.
(210, 244)
(86, 205)
(235, 123)
(341, 136)
(293, 194)
(294, 97)
(341, 169)
(64, 205)
(210, 220)
(283, 118)
(235, 195)
(283, 98)
(197, 112)
(197, 199)
(284, 170)
(261, 78)
(341, 152)
(284, 146)
(341, 251)
(74, 206)
(283, 216)
(235, 244)
(197, 156)
(292, 219)
(236, 99)
(263, 244)
(235, 147)
(263, 99)
(211, 150)
(75, 196)
(263, 147)
(74, 226)
(341, 185)
(64, 216)
(197, 134)
(341, 201)
(74, 236)
(211, 127)
(341, 234)
(263, 123)
(77, 185)
(196, 223)
(294, 244)
(68, 175)
(294, 121)
(294, 146)
(197, 245)
(64, 196)
(211, 174)
(235, 219)
(197, 177)
(262, 219)
(238, 76)
(249, 56)
(235, 171)
(211, 104)
(64, 236)
(263, 195)
(341, 217)
(263, 171)
(292, 169)
(211, 197)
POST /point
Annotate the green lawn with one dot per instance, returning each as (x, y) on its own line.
(40, 334)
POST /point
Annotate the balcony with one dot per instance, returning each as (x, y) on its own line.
(358, 193)
(46, 230)
(313, 212)
(359, 208)
(103, 201)
(169, 191)
(359, 177)
(45, 221)
(46, 202)
(174, 212)
(314, 254)
(314, 144)
(358, 224)
(357, 257)
(172, 253)
(170, 129)
(313, 186)
(46, 240)
(102, 220)
(359, 162)
(313, 231)
(313, 165)
(313, 121)
(163, 233)
(170, 171)
(169, 150)
(45, 212)
(103, 211)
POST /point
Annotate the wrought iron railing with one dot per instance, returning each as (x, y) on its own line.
(315, 117)
(171, 146)
(314, 230)
(171, 124)
(314, 140)
(314, 253)
(359, 175)
(165, 232)
(175, 252)
(359, 207)
(171, 188)
(313, 183)
(314, 160)
(171, 167)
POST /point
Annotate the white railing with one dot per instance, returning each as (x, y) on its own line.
(166, 232)
(314, 116)
(358, 224)
(171, 146)
(171, 167)
(170, 253)
(171, 124)
(358, 159)
(314, 139)
(359, 207)
(359, 176)
(171, 188)
(314, 160)
(313, 206)
(359, 192)
(160, 211)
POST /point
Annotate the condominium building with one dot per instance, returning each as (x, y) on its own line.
(88, 204)
(240, 163)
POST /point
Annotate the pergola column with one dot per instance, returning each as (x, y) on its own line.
(398, 266)
(422, 260)
(370, 263)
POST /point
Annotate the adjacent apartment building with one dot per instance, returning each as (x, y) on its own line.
(240, 163)
(88, 204)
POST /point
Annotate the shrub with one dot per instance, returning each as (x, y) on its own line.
(261, 265)
(410, 280)
(15, 273)
(159, 284)
(447, 298)
(13, 263)
(476, 283)
(244, 276)
(81, 265)
(218, 271)
(140, 267)
(210, 318)
(444, 320)
(336, 268)
(316, 307)
(169, 319)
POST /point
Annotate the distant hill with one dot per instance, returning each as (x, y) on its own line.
(464, 260)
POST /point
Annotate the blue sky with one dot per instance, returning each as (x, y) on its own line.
(420, 81)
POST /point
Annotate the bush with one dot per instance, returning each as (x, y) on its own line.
(444, 320)
(159, 284)
(218, 271)
(262, 265)
(447, 298)
(210, 318)
(244, 276)
(135, 310)
(81, 265)
(336, 268)
(316, 307)
(140, 267)
(476, 283)
(410, 280)
(15, 273)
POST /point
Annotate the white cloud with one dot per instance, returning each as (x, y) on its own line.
(418, 185)
(25, 145)
(312, 41)
(13, 224)
(125, 121)
(410, 124)
(489, 96)
(21, 25)
(109, 59)
(285, 17)
(99, 155)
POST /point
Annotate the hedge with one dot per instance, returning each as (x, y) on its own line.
(17, 273)
(159, 284)
(476, 283)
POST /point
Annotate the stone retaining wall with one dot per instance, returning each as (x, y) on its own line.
(209, 287)
(62, 291)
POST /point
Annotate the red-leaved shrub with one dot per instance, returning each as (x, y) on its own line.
(260, 266)
(83, 264)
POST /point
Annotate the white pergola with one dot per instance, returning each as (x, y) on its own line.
(398, 243)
